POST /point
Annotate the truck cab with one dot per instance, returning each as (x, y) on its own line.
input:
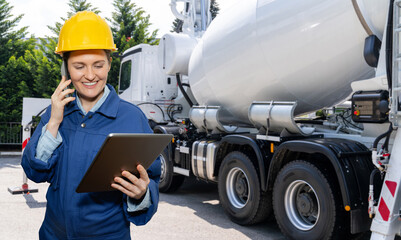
(144, 85)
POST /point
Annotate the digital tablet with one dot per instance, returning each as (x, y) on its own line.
(121, 151)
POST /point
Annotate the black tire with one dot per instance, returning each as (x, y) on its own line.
(240, 192)
(304, 204)
(169, 181)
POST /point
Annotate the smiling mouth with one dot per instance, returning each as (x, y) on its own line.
(89, 83)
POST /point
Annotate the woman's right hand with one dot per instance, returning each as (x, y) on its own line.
(58, 101)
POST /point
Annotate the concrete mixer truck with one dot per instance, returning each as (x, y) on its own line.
(291, 107)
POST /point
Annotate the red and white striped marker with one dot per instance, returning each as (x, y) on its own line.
(387, 199)
(25, 143)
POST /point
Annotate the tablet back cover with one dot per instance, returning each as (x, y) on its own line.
(121, 151)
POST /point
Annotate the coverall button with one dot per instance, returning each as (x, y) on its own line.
(90, 116)
(83, 125)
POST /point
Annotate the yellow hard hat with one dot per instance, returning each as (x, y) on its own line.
(85, 30)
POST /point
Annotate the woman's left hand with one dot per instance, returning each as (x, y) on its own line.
(133, 186)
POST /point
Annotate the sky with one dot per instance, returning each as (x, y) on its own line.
(40, 13)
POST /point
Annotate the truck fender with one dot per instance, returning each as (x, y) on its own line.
(256, 146)
(168, 130)
(351, 162)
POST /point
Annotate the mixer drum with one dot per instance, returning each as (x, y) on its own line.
(305, 51)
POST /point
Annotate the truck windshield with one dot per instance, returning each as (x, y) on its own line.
(125, 76)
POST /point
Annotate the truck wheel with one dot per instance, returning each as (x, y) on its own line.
(169, 181)
(239, 190)
(303, 202)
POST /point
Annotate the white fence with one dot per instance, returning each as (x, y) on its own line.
(10, 133)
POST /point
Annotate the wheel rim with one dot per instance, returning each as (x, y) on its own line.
(237, 186)
(163, 168)
(302, 205)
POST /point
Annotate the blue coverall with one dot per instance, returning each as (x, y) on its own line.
(99, 215)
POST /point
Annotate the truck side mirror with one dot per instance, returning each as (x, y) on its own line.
(371, 50)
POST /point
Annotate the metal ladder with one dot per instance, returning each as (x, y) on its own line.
(395, 113)
(386, 223)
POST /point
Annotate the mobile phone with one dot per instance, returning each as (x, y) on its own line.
(64, 72)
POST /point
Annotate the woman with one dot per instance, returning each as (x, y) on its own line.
(70, 134)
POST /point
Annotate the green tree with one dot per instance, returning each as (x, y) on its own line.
(129, 25)
(81, 5)
(13, 41)
(14, 75)
(46, 73)
(214, 8)
(177, 25)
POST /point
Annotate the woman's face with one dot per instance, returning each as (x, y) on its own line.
(88, 70)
